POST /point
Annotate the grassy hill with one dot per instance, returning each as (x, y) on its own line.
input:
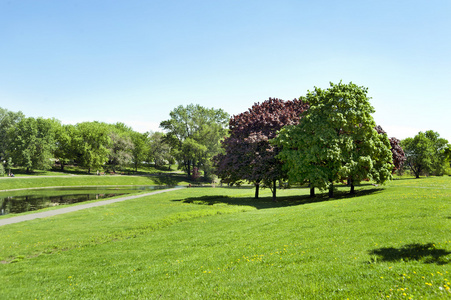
(389, 242)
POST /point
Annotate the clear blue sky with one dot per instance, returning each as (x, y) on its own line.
(134, 61)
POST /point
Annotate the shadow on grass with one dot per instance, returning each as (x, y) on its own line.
(267, 202)
(426, 253)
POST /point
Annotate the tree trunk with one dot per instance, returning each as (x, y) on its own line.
(257, 186)
(351, 182)
(312, 192)
(274, 191)
(331, 190)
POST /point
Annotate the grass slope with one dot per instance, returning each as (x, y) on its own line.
(392, 242)
(8, 183)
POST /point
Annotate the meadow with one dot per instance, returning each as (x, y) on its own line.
(386, 242)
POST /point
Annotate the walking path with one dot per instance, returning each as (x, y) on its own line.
(64, 210)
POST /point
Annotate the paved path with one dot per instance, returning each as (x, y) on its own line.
(64, 210)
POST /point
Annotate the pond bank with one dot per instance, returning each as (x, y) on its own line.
(64, 210)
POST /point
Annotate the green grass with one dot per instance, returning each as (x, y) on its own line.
(8, 183)
(390, 242)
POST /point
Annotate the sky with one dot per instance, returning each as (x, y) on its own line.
(134, 61)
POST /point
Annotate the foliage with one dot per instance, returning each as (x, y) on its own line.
(2, 169)
(335, 140)
(120, 146)
(194, 133)
(426, 153)
(63, 151)
(248, 154)
(90, 144)
(32, 142)
(8, 120)
(398, 154)
(140, 148)
(159, 149)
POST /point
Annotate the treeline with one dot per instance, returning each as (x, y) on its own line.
(322, 138)
(38, 143)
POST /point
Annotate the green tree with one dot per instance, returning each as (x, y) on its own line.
(90, 143)
(63, 139)
(159, 149)
(426, 153)
(336, 139)
(8, 119)
(32, 142)
(140, 148)
(120, 146)
(194, 133)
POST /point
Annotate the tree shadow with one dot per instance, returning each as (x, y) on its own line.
(426, 253)
(169, 179)
(267, 202)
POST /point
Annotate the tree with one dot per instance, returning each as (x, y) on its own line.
(32, 142)
(426, 153)
(120, 146)
(140, 148)
(159, 149)
(63, 139)
(335, 140)
(398, 154)
(90, 143)
(248, 155)
(194, 133)
(8, 119)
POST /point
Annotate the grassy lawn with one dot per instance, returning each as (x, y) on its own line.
(9, 183)
(389, 242)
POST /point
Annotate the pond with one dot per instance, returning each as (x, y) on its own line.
(13, 202)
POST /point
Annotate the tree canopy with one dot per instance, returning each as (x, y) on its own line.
(8, 119)
(194, 132)
(426, 153)
(398, 154)
(32, 142)
(335, 140)
(248, 154)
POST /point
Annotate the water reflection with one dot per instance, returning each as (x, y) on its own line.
(31, 200)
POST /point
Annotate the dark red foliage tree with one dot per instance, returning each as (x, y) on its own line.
(248, 154)
(398, 154)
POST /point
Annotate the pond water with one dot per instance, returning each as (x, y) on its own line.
(35, 199)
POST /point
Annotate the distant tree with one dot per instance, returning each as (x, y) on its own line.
(335, 139)
(426, 153)
(248, 155)
(140, 148)
(32, 142)
(90, 143)
(8, 119)
(194, 133)
(159, 149)
(120, 146)
(9, 164)
(398, 154)
(63, 139)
